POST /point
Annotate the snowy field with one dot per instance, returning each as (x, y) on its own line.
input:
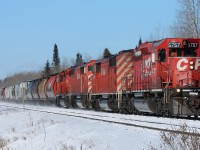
(29, 130)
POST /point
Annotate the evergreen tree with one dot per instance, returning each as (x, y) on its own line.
(139, 42)
(56, 60)
(106, 53)
(47, 70)
(79, 59)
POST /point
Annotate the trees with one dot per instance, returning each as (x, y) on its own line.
(64, 63)
(106, 53)
(47, 70)
(79, 59)
(20, 77)
(187, 23)
(140, 42)
(56, 60)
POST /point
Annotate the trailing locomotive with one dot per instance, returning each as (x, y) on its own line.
(159, 77)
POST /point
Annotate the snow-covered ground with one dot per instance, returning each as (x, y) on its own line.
(30, 130)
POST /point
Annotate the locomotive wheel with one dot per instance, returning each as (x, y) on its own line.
(95, 104)
(113, 105)
(61, 102)
(84, 101)
(67, 102)
(58, 102)
(73, 102)
(125, 105)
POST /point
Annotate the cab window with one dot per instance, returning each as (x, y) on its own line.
(162, 55)
(175, 53)
(182, 52)
(188, 52)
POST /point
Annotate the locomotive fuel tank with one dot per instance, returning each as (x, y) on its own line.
(144, 104)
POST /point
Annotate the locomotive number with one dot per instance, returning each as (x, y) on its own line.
(174, 45)
(193, 45)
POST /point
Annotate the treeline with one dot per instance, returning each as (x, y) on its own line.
(49, 68)
(19, 77)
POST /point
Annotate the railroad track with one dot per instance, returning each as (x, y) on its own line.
(106, 118)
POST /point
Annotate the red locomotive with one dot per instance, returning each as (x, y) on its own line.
(166, 77)
(160, 77)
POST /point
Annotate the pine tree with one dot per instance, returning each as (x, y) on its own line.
(139, 42)
(106, 53)
(47, 70)
(79, 59)
(56, 60)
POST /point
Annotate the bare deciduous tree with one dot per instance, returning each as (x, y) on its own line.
(20, 77)
(87, 57)
(64, 63)
(187, 23)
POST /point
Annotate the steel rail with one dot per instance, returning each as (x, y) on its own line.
(108, 121)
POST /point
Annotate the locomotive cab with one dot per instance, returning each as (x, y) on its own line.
(178, 69)
(167, 77)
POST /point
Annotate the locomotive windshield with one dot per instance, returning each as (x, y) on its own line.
(182, 52)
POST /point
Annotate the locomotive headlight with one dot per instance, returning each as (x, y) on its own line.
(191, 63)
(191, 67)
(178, 90)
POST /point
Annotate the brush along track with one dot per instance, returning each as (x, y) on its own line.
(104, 118)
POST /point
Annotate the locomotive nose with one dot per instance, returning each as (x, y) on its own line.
(187, 72)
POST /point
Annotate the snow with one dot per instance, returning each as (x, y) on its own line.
(31, 130)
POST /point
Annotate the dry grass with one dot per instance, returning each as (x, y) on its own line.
(176, 141)
(65, 147)
(3, 142)
(13, 129)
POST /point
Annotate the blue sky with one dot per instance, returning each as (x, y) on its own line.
(29, 29)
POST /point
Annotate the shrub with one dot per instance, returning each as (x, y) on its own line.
(3, 142)
(178, 141)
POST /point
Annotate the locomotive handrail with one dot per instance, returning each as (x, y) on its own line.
(161, 64)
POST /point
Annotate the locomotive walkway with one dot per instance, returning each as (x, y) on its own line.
(117, 119)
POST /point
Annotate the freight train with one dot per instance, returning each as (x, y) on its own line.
(158, 77)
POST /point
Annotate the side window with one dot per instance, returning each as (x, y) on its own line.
(61, 78)
(72, 72)
(94, 68)
(57, 79)
(90, 68)
(112, 61)
(162, 55)
(98, 67)
(82, 70)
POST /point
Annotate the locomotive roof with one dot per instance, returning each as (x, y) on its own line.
(125, 51)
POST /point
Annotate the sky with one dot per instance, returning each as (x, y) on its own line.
(29, 29)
